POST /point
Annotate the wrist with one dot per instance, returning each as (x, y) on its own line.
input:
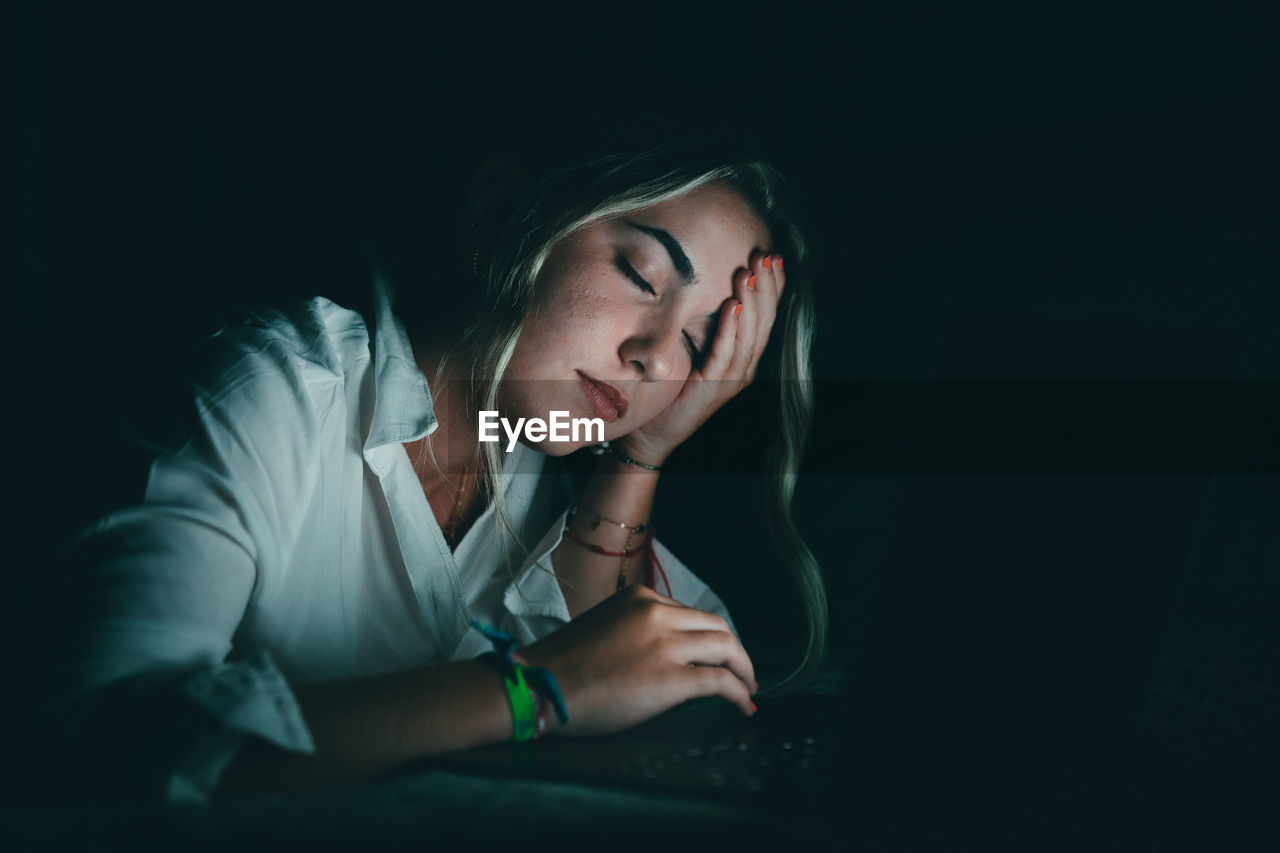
(544, 714)
(532, 692)
(638, 454)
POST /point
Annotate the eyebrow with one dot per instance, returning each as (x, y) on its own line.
(679, 259)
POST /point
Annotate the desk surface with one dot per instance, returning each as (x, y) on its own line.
(419, 809)
(442, 810)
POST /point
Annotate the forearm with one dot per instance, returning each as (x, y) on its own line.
(362, 728)
(620, 492)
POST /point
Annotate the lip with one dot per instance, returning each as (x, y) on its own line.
(607, 402)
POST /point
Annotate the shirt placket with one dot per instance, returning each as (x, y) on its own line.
(433, 572)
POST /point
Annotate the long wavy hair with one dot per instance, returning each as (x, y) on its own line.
(632, 170)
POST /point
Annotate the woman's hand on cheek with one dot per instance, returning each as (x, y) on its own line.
(746, 320)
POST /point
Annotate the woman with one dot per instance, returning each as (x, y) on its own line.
(283, 608)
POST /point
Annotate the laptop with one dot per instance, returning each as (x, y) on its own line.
(785, 755)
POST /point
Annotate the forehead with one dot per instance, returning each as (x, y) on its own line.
(715, 225)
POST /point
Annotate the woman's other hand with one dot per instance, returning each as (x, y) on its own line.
(745, 322)
(637, 654)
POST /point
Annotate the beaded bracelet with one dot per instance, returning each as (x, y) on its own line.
(627, 550)
(627, 459)
(527, 687)
(595, 525)
(604, 447)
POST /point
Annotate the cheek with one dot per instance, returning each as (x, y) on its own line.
(659, 395)
(570, 316)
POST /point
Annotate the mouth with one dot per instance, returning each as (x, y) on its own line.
(608, 403)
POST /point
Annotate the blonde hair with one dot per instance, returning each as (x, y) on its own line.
(575, 196)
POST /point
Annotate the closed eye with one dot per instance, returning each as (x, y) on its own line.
(695, 355)
(630, 272)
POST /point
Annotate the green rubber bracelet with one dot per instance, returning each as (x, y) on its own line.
(520, 681)
(523, 709)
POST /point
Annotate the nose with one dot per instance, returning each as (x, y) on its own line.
(653, 351)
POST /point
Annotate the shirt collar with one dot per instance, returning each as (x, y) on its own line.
(402, 407)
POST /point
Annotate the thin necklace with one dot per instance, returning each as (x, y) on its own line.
(456, 515)
(460, 492)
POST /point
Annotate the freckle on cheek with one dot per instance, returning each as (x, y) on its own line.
(585, 310)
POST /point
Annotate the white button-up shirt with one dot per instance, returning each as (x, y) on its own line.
(286, 538)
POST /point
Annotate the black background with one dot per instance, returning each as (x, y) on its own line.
(1034, 193)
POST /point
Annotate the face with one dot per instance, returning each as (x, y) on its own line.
(624, 309)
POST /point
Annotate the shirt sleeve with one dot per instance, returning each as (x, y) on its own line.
(145, 697)
(535, 604)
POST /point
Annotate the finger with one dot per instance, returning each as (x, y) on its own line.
(761, 298)
(717, 648)
(746, 286)
(725, 342)
(767, 308)
(773, 265)
(772, 282)
(718, 681)
(768, 269)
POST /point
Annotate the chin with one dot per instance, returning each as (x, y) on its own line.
(553, 448)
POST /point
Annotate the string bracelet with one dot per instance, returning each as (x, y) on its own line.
(655, 569)
(528, 687)
(627, 551)
(596, 549)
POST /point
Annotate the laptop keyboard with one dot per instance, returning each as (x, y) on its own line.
(750, 763)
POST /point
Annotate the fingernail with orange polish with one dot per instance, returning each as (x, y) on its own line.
(753, 707)
(751, 282)
(768, 262)
(737, 309)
